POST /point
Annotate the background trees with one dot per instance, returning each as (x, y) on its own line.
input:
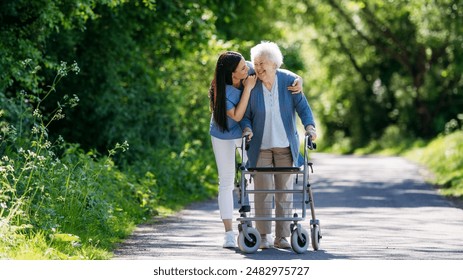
(371, 66)
(390, 67)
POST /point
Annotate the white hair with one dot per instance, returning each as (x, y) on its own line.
(268, 49)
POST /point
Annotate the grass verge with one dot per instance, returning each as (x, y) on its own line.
(443, 157)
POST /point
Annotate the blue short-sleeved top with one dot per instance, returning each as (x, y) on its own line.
(233, 96)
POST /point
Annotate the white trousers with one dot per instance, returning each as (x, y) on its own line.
(225, 153)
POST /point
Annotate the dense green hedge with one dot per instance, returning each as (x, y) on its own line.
(102, 141)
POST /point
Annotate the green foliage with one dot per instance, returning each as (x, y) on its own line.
(384, 63)
(250, 20)
(139, 84)
(392, 142)
(24, 31)
(50, 190)
(442, 157)
(68, 203)
(133, 85)
(129, 52)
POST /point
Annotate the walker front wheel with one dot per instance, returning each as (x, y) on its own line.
(300, 243)
(249, 246)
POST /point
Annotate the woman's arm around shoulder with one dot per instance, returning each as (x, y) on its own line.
(297, 85)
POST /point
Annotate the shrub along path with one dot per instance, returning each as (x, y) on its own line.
(369, 208)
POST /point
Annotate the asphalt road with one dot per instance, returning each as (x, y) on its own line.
(370, 208)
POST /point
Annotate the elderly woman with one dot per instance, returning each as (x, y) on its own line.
(270, 122)
(229, 94)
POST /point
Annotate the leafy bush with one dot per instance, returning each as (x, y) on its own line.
(65, 202)
(51, 190)
(139, 85)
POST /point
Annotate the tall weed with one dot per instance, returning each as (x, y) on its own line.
(54, 194)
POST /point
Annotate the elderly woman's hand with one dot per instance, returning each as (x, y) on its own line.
(310, 131)
(296, 87)
(248, 133)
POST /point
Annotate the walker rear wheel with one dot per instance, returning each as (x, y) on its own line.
(249, 246)
(316, 236)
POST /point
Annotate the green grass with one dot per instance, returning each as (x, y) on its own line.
(78, 206)
(444, 158)
(38, 246)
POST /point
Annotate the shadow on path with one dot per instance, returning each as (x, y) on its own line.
(368, 207)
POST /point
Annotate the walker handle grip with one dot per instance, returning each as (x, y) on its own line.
(245, 141)
(311, 145)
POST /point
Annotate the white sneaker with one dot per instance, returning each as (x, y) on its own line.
(229, 240)
(264, 244)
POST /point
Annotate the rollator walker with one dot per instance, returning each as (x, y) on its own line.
(249, 237)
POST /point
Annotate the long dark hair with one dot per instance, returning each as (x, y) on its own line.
(226, 64)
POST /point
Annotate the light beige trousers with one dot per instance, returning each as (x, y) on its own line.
(275, 157)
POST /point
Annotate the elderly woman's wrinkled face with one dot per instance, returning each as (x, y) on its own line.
(265, 68)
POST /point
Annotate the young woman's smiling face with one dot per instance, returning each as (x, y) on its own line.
(265, 68)
(241, 71)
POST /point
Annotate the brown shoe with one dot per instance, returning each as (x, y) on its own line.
(282, 243)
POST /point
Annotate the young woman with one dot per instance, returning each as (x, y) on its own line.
(229, 94)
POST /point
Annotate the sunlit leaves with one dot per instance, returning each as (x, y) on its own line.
(396, 62)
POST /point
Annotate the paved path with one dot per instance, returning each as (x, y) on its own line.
(370, 208)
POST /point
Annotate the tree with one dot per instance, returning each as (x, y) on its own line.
(389, 63)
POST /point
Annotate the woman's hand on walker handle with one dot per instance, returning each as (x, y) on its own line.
(310, 130)
(248, 133)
